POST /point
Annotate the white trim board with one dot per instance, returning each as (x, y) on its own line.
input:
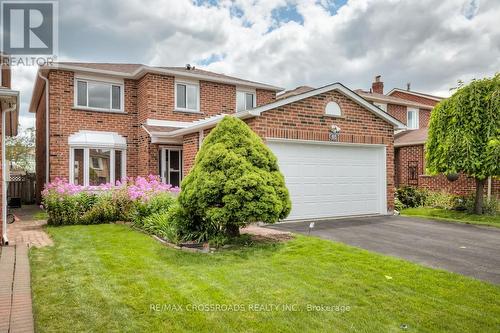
(328, 143)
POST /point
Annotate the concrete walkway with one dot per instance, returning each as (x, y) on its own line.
(16, 314)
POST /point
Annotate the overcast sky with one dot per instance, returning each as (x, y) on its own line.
(429, 43)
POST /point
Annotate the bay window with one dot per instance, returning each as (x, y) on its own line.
(187, 96)
(98, 95)
(412, 118)
(96, 158)
(96, 166)
(245, 100)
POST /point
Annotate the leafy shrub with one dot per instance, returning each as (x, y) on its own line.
(411, 197)
(398, 205)
(158, 203)
(490, 207)
(132, 199)
(67, 209)
(102, 211)
(161, 225)
(442, 200)
(235, 181)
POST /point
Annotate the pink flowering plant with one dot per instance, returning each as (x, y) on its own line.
(129, 200)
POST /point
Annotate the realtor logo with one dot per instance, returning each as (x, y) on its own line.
(29, 27)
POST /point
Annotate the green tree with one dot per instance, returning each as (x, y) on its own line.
(235, 181)
(20, 150)
(464, 134)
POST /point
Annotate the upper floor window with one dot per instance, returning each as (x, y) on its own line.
(187, 97)
(98, 95)
(245, 100)
(381, 106)
(412, 118)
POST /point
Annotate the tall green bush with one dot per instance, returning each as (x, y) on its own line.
(464, 134)
(235, 181)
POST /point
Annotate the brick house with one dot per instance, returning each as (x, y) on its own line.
(414, 110)
(9, 106)
(100, 122)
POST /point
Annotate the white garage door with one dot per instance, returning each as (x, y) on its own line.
(329, 180)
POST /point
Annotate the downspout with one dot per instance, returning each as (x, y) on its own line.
(4, 179)
(46, 126)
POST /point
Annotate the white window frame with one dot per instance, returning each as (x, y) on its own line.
(165, 169)
(111, 83)
(416, 112)
(381, 106)
(187, 83)
(86, 163)
(246, 91)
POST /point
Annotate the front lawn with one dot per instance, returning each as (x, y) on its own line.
(452, 216)
(109, 278)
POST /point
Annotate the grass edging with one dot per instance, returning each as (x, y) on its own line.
(459, 217)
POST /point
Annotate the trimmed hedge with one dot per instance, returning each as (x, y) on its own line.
(235, 181)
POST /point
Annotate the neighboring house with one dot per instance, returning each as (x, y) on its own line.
(9, 106)
(414, 110)
(102, 122)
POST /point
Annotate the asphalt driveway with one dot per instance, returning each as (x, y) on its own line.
(461, 248)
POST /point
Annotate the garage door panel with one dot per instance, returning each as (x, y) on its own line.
(332, 180)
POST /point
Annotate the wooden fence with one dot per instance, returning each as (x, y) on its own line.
(22, 187)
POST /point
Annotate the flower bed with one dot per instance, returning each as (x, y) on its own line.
(130, 200)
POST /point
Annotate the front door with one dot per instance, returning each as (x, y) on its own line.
(171, 165)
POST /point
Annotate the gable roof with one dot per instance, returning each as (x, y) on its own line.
(381, 98)
(136, 71)
(340, 88)
(411, 137)
(256, 112)
(411, 92)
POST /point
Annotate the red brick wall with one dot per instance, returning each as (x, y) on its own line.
(65, 120)
(189, 150)
(156, 99)
(463, 186)
(404, 156)
(423, 118)
(414, 98)
(6, 76)
(216, 98)
(265, 97)
(398, 111)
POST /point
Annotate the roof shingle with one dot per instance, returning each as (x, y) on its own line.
(411, 137)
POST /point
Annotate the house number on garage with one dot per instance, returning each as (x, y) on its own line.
(334, 133)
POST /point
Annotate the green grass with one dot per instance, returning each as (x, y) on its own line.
(104, 278)
(40, 216)
(453, 216)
